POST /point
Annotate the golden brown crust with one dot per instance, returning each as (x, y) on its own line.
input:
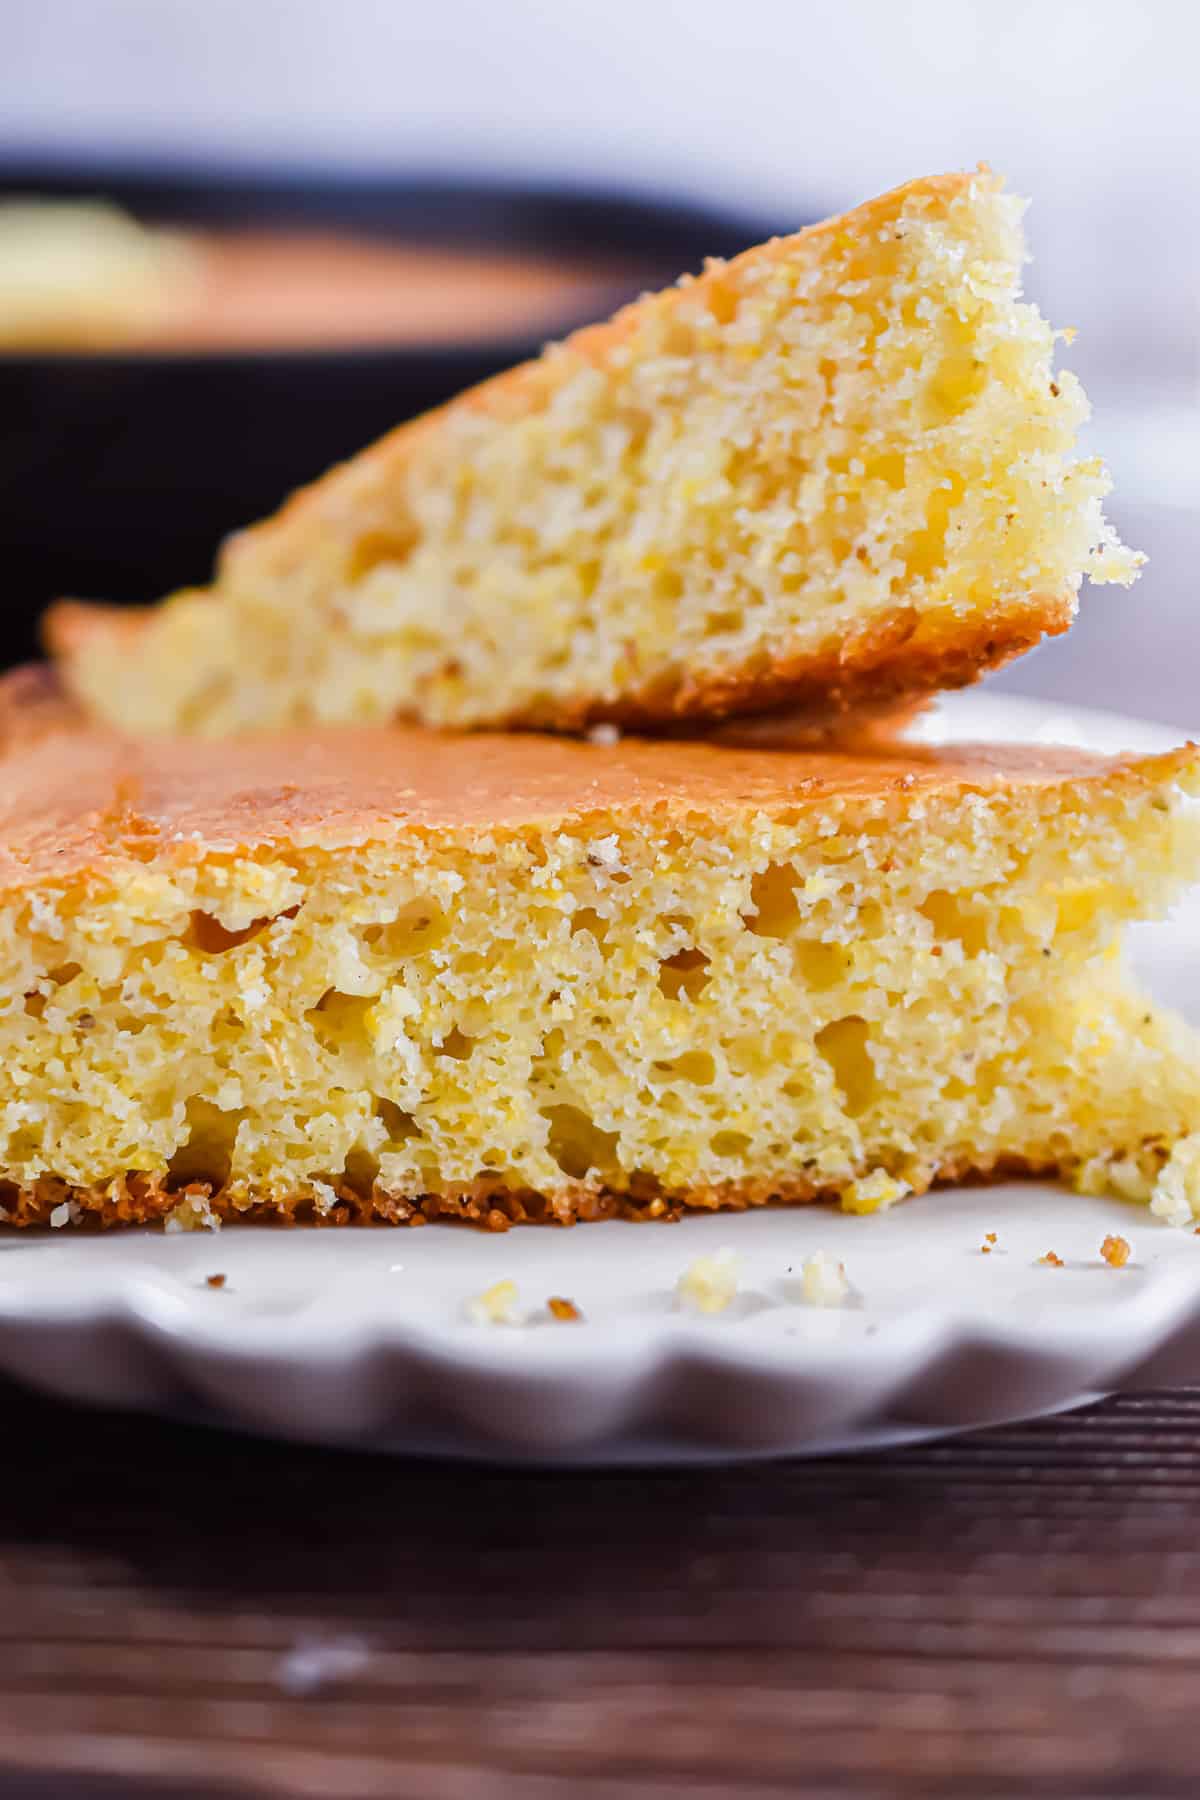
(81, 799)
(150, 1199)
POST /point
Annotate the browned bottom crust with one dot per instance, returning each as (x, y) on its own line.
(879, 675)
(150, 1199)
(896, 663)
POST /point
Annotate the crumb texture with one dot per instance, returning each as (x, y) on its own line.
(838, 469)
(654, 976)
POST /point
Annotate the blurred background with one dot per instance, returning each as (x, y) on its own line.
(711, 122)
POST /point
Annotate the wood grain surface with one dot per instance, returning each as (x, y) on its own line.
(188, 1613)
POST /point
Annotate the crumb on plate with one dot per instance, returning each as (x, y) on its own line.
(215, 1281)
(1051, 1260)
(1116, 1251)
(709, 1283)
(873, 1193)
(823, 1280)
(496, 1305)
(560, 1308)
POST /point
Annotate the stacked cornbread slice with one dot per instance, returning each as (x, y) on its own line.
(343, 974)
(331, 969)
(836, 470)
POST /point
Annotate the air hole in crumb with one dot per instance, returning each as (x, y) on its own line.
(722, 299)
(578, 1145)
(360, 1172)
(718, 622)
(35, 1004)
(601, 1059)
(338, 1020)
(64, 973)
(206, 1154)
(668, 585)
(773, 896)
(684, 973)
(419, 926)
(210, 937)
(694, 1065)
(730, 1143)
(954, 922)
(399, 1125)
(457, 1044)
(588, 919)
(587, 573)
(843, 1044)
(376, 547)
(892, 469)
(822, 965)
(1078, 908)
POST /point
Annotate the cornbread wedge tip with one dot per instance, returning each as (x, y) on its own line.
(388, 974)
(837, 471)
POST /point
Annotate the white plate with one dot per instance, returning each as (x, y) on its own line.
(361, 1337)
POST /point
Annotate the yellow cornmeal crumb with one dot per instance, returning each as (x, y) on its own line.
(496, 1305)
(874, 1193)
(759, 475)
(193, 1213)
(823, 1280)
(1176, 1196)
(1116, 1251)
(709, 1283)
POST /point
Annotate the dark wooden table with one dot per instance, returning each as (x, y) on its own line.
(188, 1613)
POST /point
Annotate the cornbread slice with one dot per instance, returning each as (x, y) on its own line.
(835, 471)
(388, 974)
